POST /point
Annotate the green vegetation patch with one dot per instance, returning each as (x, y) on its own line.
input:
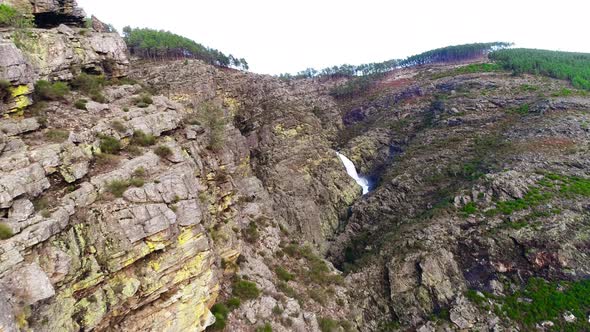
(283, 274)
(552, 185)
(214, 118)
(549, 301)
(574, 67)
(159, 44)
(142, 139)
(565, 92)
(356, 86)
(45, 90)
(221, 311)
(5, 231)
(469, 209)
(163, 151)
(318, 271)
(118, 126)
(144, 100)
(569, 186)
(470, 69)
(109, 145)
(532, 198)
(327, 324)
(118, 187)
(81, 104)
(245, 290)
(11, 17)
(264, 328)
(91, 85)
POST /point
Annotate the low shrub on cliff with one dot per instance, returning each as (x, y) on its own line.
(328, 324)
(118, 187)
(7, 15)
(214, 118)
(144, 100)
(221, 311)
(245, 290)
(250, 233)
(317, 271)
(11, 17)
(5, 231)
(118, 126)
(45, 90)
(110, 145)
(163, 151)
(142, 139)
(354, 87)
(91, 85)
(140, 173)
(81, 104)
(283, 274)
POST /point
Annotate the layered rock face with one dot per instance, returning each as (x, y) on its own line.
(156, 256)
(84, 256)
(56, 54)
(290, 129)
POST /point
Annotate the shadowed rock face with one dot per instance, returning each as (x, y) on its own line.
(52, 13)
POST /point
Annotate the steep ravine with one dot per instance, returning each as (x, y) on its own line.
(191, 197)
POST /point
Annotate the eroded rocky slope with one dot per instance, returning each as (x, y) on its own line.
(187, 185)
(125, 215)
(481, 189)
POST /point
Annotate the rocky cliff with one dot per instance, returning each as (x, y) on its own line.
(189, 196)
(149, 235)
(60, 53)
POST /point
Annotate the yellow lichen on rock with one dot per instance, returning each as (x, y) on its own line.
(191, 268)
(281, 131)
(20, 98)
(232, 104)
(180, 97)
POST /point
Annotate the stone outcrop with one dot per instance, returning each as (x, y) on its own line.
(51, 13)
(75, 272)
(155, 258)
(304, 175)
(58, 53)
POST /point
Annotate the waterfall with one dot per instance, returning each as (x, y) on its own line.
(351, 170)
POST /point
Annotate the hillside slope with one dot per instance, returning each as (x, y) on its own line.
(187, 196)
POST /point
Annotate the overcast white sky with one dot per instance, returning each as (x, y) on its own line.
(279, 36)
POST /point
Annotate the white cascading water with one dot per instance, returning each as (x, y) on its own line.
(351, 170)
